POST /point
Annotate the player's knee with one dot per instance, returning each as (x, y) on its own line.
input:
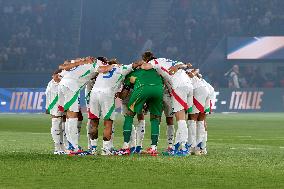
(140, 117)
(170, 120)
(192, 117)
(155, 117)
(201, 117)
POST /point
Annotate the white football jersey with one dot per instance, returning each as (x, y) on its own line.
(77, 77)
(179, 79)
(51, 93)
(196, 82)
(210, 89)
(111, 81)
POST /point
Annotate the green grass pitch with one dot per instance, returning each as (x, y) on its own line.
(244, 151)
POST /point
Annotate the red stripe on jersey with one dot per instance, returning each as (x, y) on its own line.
(156, 62)
(198, 105)
(165, 70)
(182, 102)
(91, 115)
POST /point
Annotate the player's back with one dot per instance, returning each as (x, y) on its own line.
(112, 80)
(78, 76)
(146, 77)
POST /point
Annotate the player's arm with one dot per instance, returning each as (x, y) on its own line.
(146, 66)
(124, 92)
(175, 68)
(72, 64)
(105, 69)
(47, 99)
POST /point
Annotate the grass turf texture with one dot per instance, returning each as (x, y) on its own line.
(245, 151)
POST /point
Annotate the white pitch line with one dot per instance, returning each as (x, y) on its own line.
(282, 147)
(244, 136)
(254, 148)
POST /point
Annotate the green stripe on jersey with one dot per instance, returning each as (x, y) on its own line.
(52, 104)
(85, 74)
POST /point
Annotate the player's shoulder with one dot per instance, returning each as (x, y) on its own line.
(50, 83)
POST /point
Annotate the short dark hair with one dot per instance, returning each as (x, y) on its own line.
(113, 61)
(57, 71)
(103, 59)
(148, 56)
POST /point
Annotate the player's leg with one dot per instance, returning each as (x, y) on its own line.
(64, 145)
(180, 106)
(80, 119)
(170, 131)
(94, 114)
(56, 131)
(204, 140)
(88, 127)
(168, 111)
(208, 110)
(135, 105)
(112, 137)
(71, 104)
(132, 142)
(108, 112)
(199, 102)
(200, 132)
(155, 103)
(140, 133)
(192, 118)
(60, 108)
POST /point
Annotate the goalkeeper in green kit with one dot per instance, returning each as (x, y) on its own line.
(148, 89)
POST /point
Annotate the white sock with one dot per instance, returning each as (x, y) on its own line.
(192, 133)
(94, 142)
(79, 125)
(183, 131)
(154, 147)
(170, 134)
(55, 132)
(106, 145)
(112, 135)
(200, 132)
(204, 141)
(88, 133)
(125, 145)
(178, 137)
(140, 132)
(73, 132)
(64, 134)
(133, 137)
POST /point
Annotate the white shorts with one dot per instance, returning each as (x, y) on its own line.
(200, 96)
(102, 105)
(182, 98)
(167, 105)
(68, 99)
(55, 112)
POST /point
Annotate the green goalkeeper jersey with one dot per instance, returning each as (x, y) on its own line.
(144, 78)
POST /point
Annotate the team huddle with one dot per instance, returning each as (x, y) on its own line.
(153, 85)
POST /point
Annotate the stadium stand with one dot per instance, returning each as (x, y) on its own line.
(41, 34)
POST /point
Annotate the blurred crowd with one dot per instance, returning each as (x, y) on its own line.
(33, 34)
(37, 35)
